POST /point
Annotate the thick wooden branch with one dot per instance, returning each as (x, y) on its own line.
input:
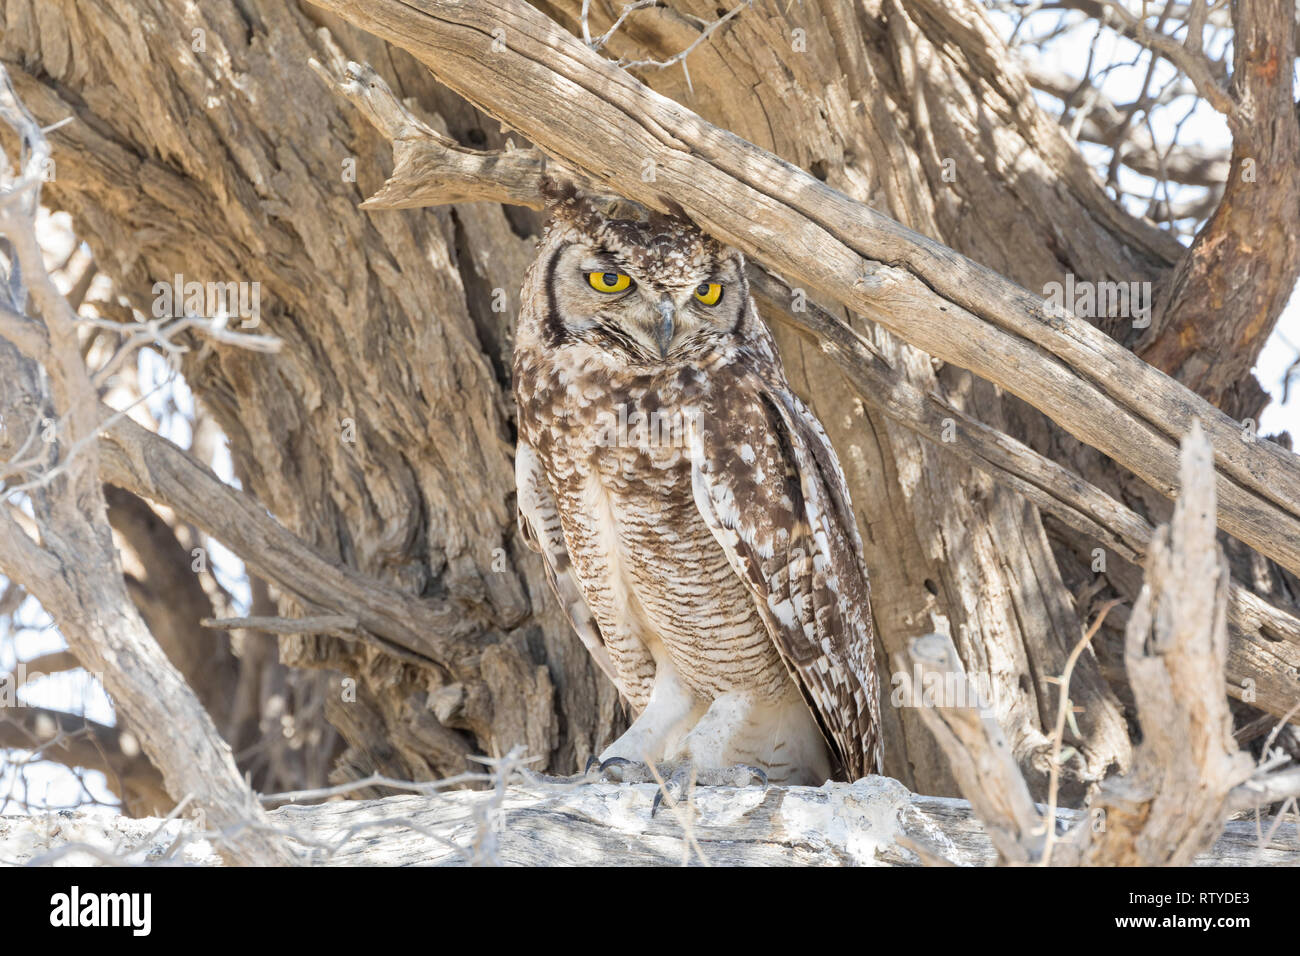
(429, 168)
(1187, 771)
(151, 466)
(589, 113)
(1051, 487)
(874, 822)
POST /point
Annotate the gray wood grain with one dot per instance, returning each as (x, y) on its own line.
(872, 822)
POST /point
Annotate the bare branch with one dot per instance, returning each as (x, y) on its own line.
(77, 575)
(980, 756)
(1051, 487)
(341, 625)
(1204, 73)
(430, 168)
(153, 467)
(705, 33)
(76, 741)
(1103, 123)
(925, 293)
(1218, 313)
(1174, 802)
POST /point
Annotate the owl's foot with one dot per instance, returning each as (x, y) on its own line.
(675, 779)
(683, 776)
(613, 770)
(587, 775)
(621, 770)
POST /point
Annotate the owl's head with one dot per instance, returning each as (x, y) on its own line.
(648, 293)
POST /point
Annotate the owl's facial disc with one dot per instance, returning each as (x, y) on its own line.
(678, 308)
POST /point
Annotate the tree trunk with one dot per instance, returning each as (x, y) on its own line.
(381, 435)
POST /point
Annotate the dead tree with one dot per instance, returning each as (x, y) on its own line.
(994, 447)
(71, 565)
(1188, 773)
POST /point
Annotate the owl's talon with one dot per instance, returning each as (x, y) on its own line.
(625, 771)
(654, 807)
(597, 771)
(758, 776)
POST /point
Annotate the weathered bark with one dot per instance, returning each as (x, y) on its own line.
(71, 566)
(1188, 771)
(874, 822)
(363, 435)
(238, 170)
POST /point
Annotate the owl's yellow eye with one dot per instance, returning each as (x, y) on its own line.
(708, 292)
(609, 281)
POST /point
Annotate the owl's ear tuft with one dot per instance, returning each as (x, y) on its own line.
(675, 214)
(568, 204)
(557, 191)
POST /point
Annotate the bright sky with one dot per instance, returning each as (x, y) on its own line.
(1200, 125)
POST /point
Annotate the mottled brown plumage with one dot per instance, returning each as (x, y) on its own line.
(693, 517)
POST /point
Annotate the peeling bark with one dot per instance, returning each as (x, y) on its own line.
(380, 437)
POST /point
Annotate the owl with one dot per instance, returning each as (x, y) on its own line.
(692, 516)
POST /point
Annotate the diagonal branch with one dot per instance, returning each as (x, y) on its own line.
(1266, 661)
(74, 571)
(928, 295)
(153, 467)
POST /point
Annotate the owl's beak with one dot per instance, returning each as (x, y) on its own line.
(667, 325)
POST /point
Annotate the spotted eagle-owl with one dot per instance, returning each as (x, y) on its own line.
(693, 518)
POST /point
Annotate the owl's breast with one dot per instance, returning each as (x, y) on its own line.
(654, 576)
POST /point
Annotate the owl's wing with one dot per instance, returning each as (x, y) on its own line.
(769, 485)
(539, 523)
